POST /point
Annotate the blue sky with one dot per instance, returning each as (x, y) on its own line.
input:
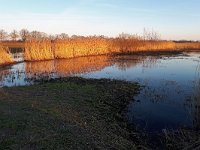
(173, 19)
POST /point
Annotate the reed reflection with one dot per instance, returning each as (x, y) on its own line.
(4, 73)
(12, 76)
(27, 72)
(81, 65)
(65, 67)
(129, 61)
(38, 70)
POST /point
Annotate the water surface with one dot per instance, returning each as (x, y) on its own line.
(170, 96)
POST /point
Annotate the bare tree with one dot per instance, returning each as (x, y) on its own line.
(63, 36)
(151, 35)
(36, 35)
(74, 36)
(14, 35)
(3, 35)
(44, 35)
(24, 34)
(52, 37)
(127, 42)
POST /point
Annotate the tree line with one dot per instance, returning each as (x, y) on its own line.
(25, 34)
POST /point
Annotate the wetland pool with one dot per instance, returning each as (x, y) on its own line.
(170, 93)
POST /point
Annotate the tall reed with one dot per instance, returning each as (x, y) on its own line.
(80, 47)
(5, 57)
(38, 50)
(188, 46)
(87, 46)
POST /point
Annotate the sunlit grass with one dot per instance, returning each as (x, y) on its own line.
(5, 57)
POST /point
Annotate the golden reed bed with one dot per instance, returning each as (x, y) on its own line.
(36, 50)
(5, 57)
(70, 48)
(45, 49)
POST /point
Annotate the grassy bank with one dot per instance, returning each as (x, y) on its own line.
(71, 113)
(5, 57)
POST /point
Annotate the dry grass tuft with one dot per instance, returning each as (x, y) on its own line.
(182, 139)
(5, 57)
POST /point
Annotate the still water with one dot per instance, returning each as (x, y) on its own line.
(169, 98)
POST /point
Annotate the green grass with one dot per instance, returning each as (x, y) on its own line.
(72, 113)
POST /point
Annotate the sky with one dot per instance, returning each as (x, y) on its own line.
(173, 19)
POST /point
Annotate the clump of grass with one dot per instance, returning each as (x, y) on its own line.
(181, 139)
(5, 57)
(38, 50)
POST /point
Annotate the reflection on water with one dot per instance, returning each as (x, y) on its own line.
(18, 57)
(126, 62)
(169, 83)
(26, 73)
(170, 97)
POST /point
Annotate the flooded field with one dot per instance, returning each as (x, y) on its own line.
(170, 94)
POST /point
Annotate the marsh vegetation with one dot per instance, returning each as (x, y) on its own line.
(41, 46)
(108, 113)
(5, 57)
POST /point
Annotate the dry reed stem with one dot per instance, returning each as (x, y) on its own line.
(5, 57)
(38, 50)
